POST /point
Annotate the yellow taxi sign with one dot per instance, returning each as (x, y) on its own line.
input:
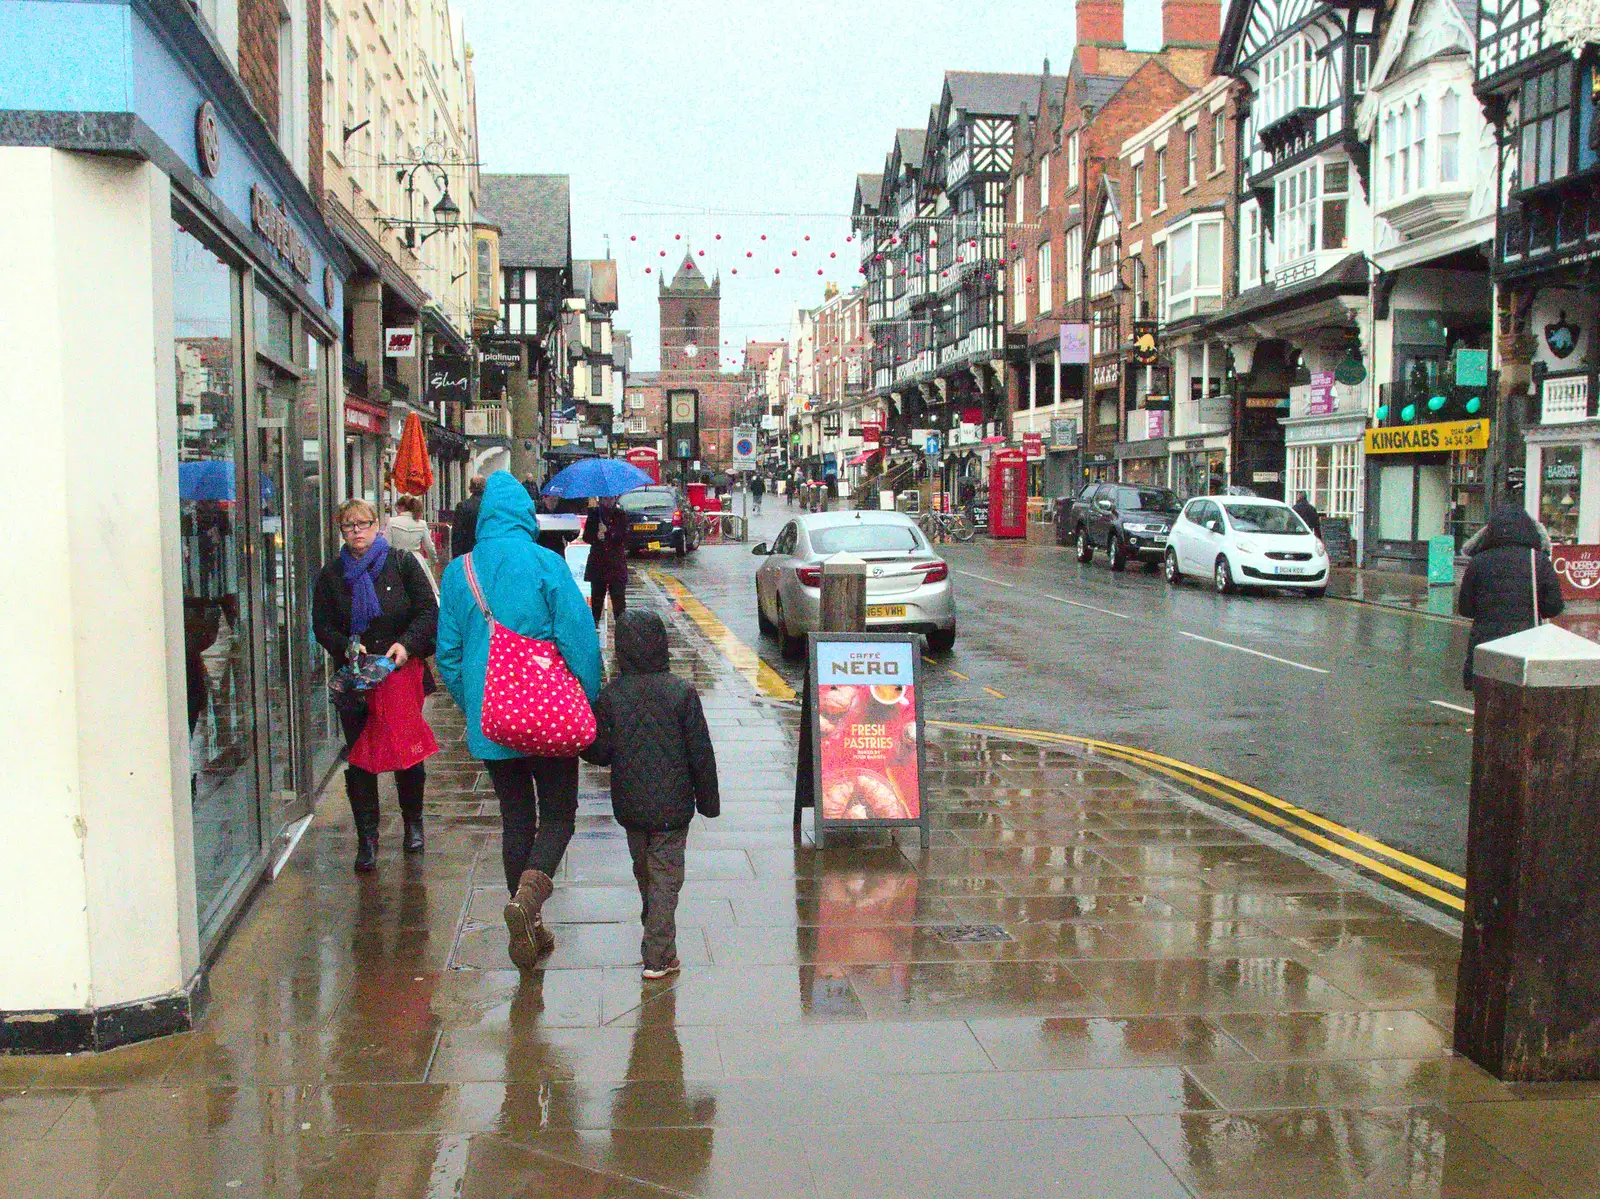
(1429, 439)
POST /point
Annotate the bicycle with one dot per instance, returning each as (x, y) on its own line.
(941, 526)
(721, 526)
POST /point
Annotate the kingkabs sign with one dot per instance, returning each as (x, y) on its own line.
(1427, 439)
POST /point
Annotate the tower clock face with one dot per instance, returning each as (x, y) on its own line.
(690, 350)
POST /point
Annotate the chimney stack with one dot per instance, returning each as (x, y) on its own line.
(1191, 23)
(1099, 28)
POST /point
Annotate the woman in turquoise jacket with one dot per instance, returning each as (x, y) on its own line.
(530, 591)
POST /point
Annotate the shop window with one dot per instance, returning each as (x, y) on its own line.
(1194, 258)
(1560, 487)
(1545, 126)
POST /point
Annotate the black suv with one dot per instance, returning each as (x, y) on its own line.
(659, 518)
(1124, 519)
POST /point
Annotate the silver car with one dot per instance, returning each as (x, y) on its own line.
(908, 585)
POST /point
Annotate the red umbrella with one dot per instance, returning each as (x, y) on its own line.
(413, 473)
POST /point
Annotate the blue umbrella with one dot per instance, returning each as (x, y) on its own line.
(596, 477)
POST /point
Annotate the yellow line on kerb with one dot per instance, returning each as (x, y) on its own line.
(1202, 780)
(744, 659)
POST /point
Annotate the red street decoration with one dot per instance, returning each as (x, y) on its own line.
(808, 237)
(647, 270)
(677, 237)
(663, 253)
(763, 237)
(776, 271)
(1013, 245)
(735, 270)
(702, 253)
(819, 270)
(413, 473)
(749, 253)
(719, 237)
(944, 274)
(633, 237)
(919, 257)
(973, 243)
(833, 254)
(849, 239)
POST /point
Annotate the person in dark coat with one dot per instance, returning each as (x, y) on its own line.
(1498, 590)
(605, 531)
(464, 528)
(383, 599)
(1307, 511)
(651, 731)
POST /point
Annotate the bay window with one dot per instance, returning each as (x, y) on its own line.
(1193, 262)
(1297, 213)
(1286, 80)
(1335, 204)
(1544, 119)
(1419, 147)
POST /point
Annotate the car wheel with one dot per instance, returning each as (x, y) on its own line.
(1316, 592)
(941, 641)
(1223, 576)
(1116, 554)
(762, 623)
(1174, 575)
(793, 647)
(1085, 550)
(680, 545)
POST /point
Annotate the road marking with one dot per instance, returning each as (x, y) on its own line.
(1201, 779)
(929, 660)
(1244, 649)
(1061, 599)
(983, 578)
(959, 675)
(996, 694)
(744, 659)
(1453, 707)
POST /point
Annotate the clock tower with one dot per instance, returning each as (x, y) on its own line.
(691, 322)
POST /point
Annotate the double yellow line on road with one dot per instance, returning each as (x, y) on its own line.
(1368, 853)
(744, 659)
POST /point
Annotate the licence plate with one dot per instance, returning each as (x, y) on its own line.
(1292, 570)
(885, 611)
(646, 527)
(654, 545)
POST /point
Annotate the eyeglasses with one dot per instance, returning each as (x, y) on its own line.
(355, 526)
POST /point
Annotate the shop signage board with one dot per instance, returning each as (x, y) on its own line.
(504, 352)
(400, 342)
(1074, 343)
(366, 422)
(866, 726)
(1063, 431)
(1146, 352)
(449, 378)
(1578, 568)
(1320, 402)
(269, 219)
(1428, 439)
(1033, 446)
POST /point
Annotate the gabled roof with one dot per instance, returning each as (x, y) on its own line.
(869, 189)
(911, 143)
(689, 277)
(985, 92)
(1095, 91)
(534, 213)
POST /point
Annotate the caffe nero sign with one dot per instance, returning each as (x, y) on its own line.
(449, 378)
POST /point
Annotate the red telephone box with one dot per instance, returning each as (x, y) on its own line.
(647, 460)
(1008, 494)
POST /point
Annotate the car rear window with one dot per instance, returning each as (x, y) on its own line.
(1265, 518)
(864, 538)
(646, 498)
(1146, 499)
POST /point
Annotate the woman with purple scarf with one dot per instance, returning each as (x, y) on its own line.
(373, 600)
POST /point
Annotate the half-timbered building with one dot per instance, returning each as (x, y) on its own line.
(1538, 73)
(1304, 227)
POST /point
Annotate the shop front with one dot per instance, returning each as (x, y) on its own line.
(1422, 481)
(1144, 463)
(188, 376)
(1199, 465)
(1323, 456)
(1563, 472)
(366, 441)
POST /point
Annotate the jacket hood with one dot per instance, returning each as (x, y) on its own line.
(1510, 525)
(506, 509)
(641, 642)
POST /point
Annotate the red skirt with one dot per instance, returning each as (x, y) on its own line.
(396, 737)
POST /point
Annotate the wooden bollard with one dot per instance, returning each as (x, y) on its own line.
(1528, 987)
(844, 594)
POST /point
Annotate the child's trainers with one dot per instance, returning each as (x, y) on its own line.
(671, 967)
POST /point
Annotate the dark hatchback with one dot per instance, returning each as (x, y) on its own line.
(659, 519)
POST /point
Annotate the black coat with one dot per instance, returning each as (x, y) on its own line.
(1307, 511)
(464, 527)
(608, 556)
(651, 731)
(1497, 590)
(408, 612)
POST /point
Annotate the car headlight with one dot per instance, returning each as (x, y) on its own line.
(1245, 546)
(1147, 528)
(1322, 550)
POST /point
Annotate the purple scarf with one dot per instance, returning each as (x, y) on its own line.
(359, 573)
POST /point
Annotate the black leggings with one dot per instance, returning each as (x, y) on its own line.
(538, 807)
(597, 598)
(362, 787)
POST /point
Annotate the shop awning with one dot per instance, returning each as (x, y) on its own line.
(864, 457)
(995, 440)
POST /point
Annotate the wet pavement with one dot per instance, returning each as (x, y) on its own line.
(1165, 1005)
(1350, 709)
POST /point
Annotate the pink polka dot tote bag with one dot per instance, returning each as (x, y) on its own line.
(531, 702)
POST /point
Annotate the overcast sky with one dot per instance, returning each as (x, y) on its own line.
(684, 120)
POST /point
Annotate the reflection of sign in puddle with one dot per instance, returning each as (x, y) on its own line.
(970, 934)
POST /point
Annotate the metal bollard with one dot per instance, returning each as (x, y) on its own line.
(844, 594)
(1528, 987)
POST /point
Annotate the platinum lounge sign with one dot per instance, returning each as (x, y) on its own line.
(269, 219)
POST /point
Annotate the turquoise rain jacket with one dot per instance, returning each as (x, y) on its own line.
(530, 591)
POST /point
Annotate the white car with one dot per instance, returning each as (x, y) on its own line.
(1246, 542)
(908, 585)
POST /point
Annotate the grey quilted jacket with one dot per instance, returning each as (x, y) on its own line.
(651, 731)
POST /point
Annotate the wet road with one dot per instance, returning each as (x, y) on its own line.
(1332, 705)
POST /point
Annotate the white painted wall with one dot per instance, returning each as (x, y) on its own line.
(96, 872)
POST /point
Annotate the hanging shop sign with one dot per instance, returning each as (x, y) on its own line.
(1320, 402)
(361, 420)
(269, 220)
(400, 342)
(1033, 446)
(207, 141)
(866, 727)
(1145, 350)
(449, 378)
(1074, 343)
(1578, 568)
(504, 352)
(1063, 431)
(872, 432)
(1428, 439)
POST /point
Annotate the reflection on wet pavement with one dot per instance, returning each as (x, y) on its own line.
(1154, 1004)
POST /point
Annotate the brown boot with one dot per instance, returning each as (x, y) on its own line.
(530, 939)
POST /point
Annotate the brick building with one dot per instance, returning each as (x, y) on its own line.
(690, 310)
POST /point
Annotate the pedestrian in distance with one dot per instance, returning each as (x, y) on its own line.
(373, 598)
(410, 534)
(605, 531)
(758, 488)
(651, 731)
(553, 539)
(464, 528)
(1307, 511)
(1510, 583)
(531, 592)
